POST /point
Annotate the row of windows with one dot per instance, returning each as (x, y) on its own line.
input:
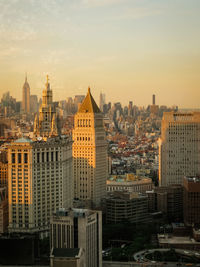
(17, 158)
(47, 156)
(84, 123)
(83, 138)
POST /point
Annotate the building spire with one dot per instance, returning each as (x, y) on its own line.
(26, 77)
(89, 90)
(47, 82)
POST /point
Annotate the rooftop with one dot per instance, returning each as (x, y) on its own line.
(23, 140)
(66, 252)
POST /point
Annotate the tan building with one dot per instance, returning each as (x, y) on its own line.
(179, 147)
(26, 97)
(89, 153)
(78, 228)
(46, 124)
(129, 182)
(3, 210)
(40, 181)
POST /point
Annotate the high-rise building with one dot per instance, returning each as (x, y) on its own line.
(78, 228)
(191, 200)
(102, 101)
(78, 99)
(39, 182)
(179, 153)
(33, 103)
(89, 153)
(130, 108)
(46, 124)
(26, 97)
(153, 99)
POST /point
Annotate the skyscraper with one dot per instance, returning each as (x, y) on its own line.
(39, 182)
(46, 124)
(89, 153)
(102, 101)
(26, 97)
(78, 228)
(179, 153)
(153, 99)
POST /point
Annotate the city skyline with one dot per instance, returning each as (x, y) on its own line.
(135, 47)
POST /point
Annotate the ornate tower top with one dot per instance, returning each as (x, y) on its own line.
(89, 105)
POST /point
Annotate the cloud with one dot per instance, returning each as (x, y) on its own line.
(101, 3)
(136, 13)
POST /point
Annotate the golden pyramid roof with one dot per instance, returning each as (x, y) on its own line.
(89, 105)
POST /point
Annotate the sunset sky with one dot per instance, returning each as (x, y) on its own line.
(128, 49)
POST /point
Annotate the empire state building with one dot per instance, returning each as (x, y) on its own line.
(26, 97)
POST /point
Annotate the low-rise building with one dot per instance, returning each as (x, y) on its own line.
(73, 257)
(129, 182)
(125, 206)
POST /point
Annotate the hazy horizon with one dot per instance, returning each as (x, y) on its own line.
(127, 49)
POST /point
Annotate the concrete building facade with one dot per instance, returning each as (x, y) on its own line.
(78, 228)
(40, 181)
(179, 153)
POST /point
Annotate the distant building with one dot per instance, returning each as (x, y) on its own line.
(33, 103)
(26, 97)
(153, 99)
(78, 228)
(3, 210)
(179, 147)
(102, 101)
(78, 99)
(40, 181)
(191, 202)
(89, 153)
(46, 125)
(125, 206)
(130, 109)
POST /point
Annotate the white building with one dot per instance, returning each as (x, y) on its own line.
(78, 228)
(179, 151)
(40, 181)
